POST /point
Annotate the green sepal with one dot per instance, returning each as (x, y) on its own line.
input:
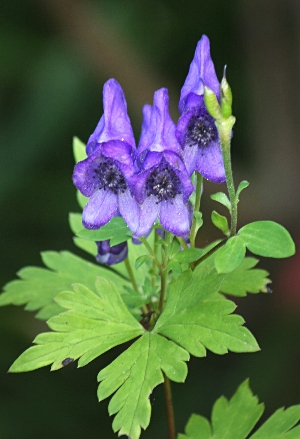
(236, 418)
(116, 230)
(267, 238)
(220, 221)
(231, 255)
(133, 376)
(243, 185)
(37, 287)
(95, 322)
(246, 279)
(221, 198)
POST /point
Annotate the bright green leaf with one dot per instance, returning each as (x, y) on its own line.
(96, 322)
(234, 419)
(221, 198)
(75, 221)
(38, 286)
(78, 150)
(116, 230)
(197, 317)
(188, 255)
(141, 260)
(245, 279)
(231, 255)
(220, 222)
(134, 374)
(267, 238)
(243, 185)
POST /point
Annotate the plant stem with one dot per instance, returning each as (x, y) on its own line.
(196, 208)
(169, 406)
(133, 281)
(151, 252)
(224, 129)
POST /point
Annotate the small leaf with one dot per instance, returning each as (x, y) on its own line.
(245, 279)
(78, 150)
(199, 220)
(231, 255)
(267, 238)
(116, 230)
(188, 255)
(96, 322)
(221, 198)
(243, 185)
(140, 261)
(220, 222)
(134, 374)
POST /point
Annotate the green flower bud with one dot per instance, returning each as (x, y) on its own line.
(211, 103)
(226, 97)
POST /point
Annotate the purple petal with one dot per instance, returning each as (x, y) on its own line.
(202, 72)
(129, 210)
(210, 163)
(81, 179)
(190, 155)
(100, 209)
(115, 123)
(149, 212)
(175, 217)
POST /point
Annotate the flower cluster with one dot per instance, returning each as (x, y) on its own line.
(151, 183)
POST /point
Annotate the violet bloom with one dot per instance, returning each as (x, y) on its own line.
(111, 255)
(196, 130)
(163, 186)
(105, 176)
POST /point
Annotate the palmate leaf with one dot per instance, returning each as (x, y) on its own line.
(134, 374)
(94, 323)
(197, 317)
(38, 286)
(246, 279)
(236, 418)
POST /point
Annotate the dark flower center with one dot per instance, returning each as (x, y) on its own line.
(201, 130)
(163, 183)
(106, 175)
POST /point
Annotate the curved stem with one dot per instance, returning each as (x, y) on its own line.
(169, 406)
(196, 208)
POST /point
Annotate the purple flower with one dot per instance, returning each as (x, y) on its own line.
(196, 130)
(163, 186)
(111, 255)
(105, 176)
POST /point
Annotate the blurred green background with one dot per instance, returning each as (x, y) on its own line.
(55, 57)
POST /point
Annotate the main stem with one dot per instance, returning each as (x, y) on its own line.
(196, 209)
(169, 405)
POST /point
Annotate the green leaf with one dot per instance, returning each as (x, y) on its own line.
(243, 185)
(116, 230)
(197, 317)
(236, 418)
(141, 260)
(231, 255)
(95, 322)
(75, 221)
(245, 279)
(221, 198)
(133, 376)
(78, 150)
(38, 286)
(267, 238)
(188, 255)
(220, 222)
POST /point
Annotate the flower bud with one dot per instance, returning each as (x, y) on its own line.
(226, 97)
(211, 103)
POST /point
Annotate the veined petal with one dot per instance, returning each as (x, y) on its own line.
(100, 209)
(175, 217)
(210, 162)
(149, 212)
(115, 123)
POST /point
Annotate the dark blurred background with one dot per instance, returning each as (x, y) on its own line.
(55, 57)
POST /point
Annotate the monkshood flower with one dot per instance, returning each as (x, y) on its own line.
(110, 255)
(163, 185)
(105, 176)
(196, 130)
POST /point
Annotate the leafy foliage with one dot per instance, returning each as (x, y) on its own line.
(197, 317)
(245, 279)
(134, 374)
(231, 255)
(37, 287)
(94, 323)
(236, 418)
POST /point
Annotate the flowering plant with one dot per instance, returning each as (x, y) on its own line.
(153, 287)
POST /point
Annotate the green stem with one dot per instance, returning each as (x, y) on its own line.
(163, 284)
(133, 281)
(196, 208)
(224, 129)
(151, 252)
(169, 405)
